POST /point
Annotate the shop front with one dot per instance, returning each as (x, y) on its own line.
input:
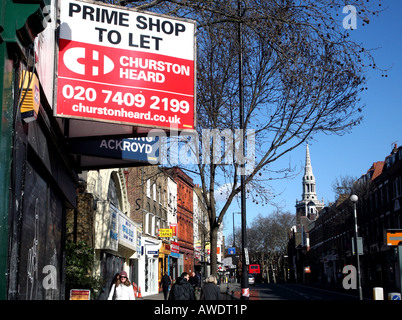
(116, 245)
(164, 261)
(186, 260)
(149, 265)
(174, 260)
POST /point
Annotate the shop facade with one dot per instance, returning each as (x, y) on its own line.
(149, 264)
(38, 180)
(116, 235)
(164, 260)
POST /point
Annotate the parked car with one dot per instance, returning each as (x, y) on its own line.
(251, 279)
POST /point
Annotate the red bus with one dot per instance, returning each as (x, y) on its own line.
(254, 269)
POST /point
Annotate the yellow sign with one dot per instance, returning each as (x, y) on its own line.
(165, 233)
(80, 294)
(30, 97)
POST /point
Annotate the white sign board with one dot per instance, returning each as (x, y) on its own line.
(127, 232)
(124, 66)
(246, 256)
(113, 228)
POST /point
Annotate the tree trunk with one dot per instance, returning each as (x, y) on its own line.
(213, 246)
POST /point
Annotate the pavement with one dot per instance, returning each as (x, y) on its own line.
(229, 291)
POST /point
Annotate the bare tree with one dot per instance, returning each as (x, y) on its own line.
(302, 75)
(268, 238)
(343, 185)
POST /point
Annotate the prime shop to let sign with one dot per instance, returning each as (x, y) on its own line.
(123, 66)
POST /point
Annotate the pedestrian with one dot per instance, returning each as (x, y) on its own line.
(210, 290)
(165, 284)
(182, 289)
(115, 281)
(122, 289)
(195, 281)
(116, 278)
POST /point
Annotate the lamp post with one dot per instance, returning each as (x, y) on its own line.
(234, 237)
(354, 199)
(244, 277)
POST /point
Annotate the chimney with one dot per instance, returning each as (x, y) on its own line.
(395, 150)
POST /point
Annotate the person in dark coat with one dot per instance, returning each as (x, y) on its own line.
(182, 289)
(210, 290)
(165, 284)
(195, 281)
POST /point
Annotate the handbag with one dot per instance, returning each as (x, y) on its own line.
(114, 293)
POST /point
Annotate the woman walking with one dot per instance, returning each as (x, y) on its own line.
(210, 290)
(122, 289)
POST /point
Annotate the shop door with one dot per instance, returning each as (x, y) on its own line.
(36, 257)
(110, 265)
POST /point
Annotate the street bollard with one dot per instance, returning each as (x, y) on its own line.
(394, 296)
(378, 293)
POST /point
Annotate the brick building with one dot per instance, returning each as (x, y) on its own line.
(185, 187)
(80, 222)
(378, 209)
(148, 195)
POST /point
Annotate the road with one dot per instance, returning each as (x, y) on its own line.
(296, 292)
(289, 291)
(283, 291)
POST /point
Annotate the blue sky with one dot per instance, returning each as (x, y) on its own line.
(352, 154)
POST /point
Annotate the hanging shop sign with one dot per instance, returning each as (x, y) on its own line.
(138, 149)
(173, 226)
(175, 247)
(124, 66)
(165, 233)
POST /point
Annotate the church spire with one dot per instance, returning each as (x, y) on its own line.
(308, 169)
(309, 206)
(309, 191)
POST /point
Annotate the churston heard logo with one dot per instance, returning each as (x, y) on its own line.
(87, 62)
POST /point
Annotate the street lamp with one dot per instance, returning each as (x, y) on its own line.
(354, 199)
(244, 277)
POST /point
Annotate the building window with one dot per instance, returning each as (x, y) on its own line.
(151, 229)
(397, 187)
(386, 193)
(157, 225)
(113, 193)
(149, 188)
(147, 223)
(152, 226)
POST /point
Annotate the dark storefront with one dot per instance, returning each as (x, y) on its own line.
(38, 181)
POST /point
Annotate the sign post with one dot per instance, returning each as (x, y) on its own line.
(123, 66)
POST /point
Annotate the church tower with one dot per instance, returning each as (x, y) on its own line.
(309, 206)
